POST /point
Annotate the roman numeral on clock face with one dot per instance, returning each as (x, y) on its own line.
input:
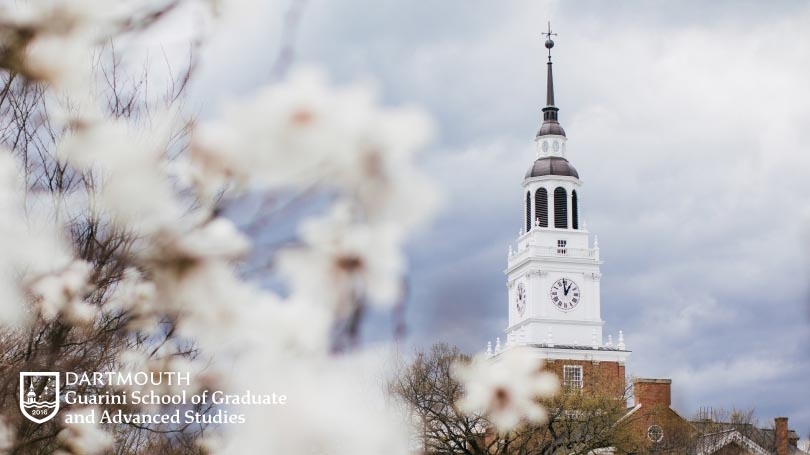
(565, 294)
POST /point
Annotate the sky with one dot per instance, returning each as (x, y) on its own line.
(688, 124)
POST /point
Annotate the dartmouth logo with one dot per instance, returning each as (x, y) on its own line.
(39, 395)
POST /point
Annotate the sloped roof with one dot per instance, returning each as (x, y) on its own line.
(710, 443)
(764, 438)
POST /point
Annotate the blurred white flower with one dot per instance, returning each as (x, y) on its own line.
(296, 135)
(135, 296)
(302, 132)
(506, 388)
(207, 299)
(165, 360)
(63, 293)
(281, 331)
(63, 16)
(59, 61)
(342, 262)
(283, 135)
(218, 238)
(31, 244)
(59, 36)
(334, 406)
(84, 438)
(128, 162)
(6, 436)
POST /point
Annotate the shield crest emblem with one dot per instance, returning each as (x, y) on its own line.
(39, 395)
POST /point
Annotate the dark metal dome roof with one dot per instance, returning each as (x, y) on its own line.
(552, 165)
(551, 127)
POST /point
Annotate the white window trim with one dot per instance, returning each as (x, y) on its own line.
(659, 433)
(572, 383)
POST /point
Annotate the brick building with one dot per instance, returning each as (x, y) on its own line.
(669, 432)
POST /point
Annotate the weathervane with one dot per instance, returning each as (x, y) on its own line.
(549, 41)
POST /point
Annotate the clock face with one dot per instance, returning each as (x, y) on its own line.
(520, 299)
(565, 294)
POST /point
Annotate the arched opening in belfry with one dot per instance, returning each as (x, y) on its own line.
(541, 206)
(560, 208)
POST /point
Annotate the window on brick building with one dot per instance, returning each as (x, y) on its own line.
(655, 433)
(572, 376)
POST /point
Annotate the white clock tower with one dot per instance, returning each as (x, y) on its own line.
(553, 275)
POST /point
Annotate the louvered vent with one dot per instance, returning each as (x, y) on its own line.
(560, 208)
(541, 206)
(574, 210)
(528, 211)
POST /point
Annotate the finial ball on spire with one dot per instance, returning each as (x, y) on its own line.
(549, 34)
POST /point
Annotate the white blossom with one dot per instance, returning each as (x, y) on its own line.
(134, 188)
(303, 132)
(342, 261)
(283, 135)
(298, 329)
(208, 300)
(6, 436)
(333, 406)
(218, 238)
(32, 246)
(506, 388)
(56, 59)
(63, 293)
(64, 32)
(84, 438)
(165, 359)
(135, 296)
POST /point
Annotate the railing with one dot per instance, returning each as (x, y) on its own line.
(554, 251)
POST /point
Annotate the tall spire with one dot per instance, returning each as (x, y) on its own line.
(550, 78)
(550, 123)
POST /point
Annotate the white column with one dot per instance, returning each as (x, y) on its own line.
(527, 199)
(570, 206)
(541, 297)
